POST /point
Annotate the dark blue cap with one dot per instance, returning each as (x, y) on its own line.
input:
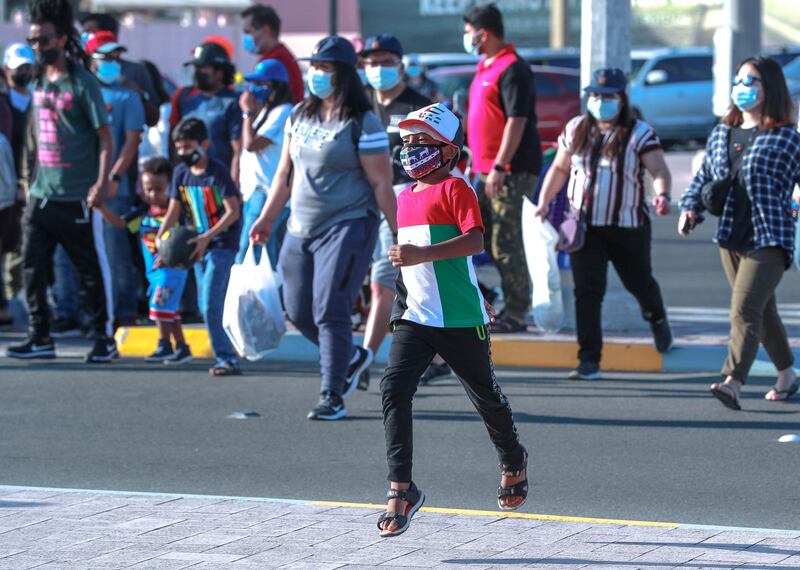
(268, 70)
(607, 80)
(382, 42)
(333, 49)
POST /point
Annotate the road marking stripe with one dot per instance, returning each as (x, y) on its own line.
(438, 510)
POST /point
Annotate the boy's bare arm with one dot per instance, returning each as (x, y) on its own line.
(112, 218)
(171, 218)
(405, 255)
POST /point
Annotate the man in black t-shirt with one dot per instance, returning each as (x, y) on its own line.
(392, 100)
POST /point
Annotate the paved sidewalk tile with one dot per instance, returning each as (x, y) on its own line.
(60, 529)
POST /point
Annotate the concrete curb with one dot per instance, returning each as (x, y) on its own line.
(519, 351)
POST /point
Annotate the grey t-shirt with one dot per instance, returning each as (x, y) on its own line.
(329, 185)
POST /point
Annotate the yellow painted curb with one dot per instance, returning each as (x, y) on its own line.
(535, 353)
(141, 341)
(504, 514)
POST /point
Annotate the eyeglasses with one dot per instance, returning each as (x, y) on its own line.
(383, 62)
(41, 40)
(747, 80)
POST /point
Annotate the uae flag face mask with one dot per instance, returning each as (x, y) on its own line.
(420, 160)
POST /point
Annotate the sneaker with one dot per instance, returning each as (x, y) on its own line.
(162, 353)
(33, 348)
(363, 380)
(434, 372)
(362, 358)
(182, 355)
(505, 324)
(65, 328)
(104, 350)
(330, 407)
(662, 335)
(586, 371)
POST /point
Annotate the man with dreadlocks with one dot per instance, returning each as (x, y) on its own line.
(73, 152)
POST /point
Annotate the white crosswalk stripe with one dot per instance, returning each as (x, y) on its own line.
(790, 314)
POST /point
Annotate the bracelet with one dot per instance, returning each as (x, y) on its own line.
(247, 114)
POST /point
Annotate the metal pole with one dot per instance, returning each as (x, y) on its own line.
(333, 11)
(558, 23)
(738, 38)
(3, 10)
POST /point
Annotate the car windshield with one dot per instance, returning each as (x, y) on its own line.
(636, 66)
(449, 84)
(792, 69)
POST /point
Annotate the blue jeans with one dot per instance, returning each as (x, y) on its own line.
(321, 278)
(124, 281)
(252, 209)
(66, 289)
(212, 274)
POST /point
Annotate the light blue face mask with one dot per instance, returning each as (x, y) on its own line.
(362, 74)
(414, 71)
(108, 71)
(603, 109)
(260, 92)
(383, 78)
(320, 83)
(249, 43)
(469, 44)
(745, 97)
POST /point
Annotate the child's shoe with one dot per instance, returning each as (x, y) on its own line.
(182, 355)
(162, 353)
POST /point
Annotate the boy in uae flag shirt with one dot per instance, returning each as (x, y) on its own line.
(439, 310)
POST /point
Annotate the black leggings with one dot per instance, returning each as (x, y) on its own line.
(467, 351)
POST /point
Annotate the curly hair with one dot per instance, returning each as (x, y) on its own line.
(59, 13)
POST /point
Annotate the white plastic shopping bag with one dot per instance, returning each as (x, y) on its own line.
(253, 316)
(540, 238)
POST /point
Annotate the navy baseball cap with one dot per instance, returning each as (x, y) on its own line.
(382, 42)
(209, 54)
(333, 49)
(607, 81)
(268, 70)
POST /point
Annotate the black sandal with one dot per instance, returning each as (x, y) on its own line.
(518, 489)
(413, 497)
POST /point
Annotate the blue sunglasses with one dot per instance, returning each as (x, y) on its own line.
(747, 80)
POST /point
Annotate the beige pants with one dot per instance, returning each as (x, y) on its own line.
(753, 277)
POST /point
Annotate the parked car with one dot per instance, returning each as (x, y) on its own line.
(557, 94)
(673, 92)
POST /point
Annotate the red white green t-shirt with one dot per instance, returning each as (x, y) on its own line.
(441, 293)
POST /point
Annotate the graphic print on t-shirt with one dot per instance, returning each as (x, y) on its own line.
(204, 206)
(441, 293)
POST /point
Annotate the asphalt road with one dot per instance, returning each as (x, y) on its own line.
(637, 446)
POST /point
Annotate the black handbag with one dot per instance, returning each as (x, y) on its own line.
(714, 194)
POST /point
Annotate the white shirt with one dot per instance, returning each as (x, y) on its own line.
(256, 169)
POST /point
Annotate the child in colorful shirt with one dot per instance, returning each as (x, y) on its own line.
(203, 190)
(439, 309)
(166, 283)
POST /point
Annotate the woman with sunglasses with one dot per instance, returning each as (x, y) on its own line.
(757, 149)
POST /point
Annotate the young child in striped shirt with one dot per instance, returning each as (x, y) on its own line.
(439, 309)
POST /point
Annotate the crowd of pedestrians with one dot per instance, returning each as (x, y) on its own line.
(357, 171)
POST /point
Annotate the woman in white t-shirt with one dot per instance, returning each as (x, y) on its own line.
(266, 105)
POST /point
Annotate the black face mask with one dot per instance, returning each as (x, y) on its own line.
(22, 78)
(192, 158)
(48, 56)
(202, 81)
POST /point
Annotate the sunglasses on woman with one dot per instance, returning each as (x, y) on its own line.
(747, 80)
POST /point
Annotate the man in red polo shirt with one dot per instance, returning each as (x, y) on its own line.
(502, 135)
(261, 28)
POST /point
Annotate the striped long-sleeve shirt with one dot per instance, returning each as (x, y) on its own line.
(618, 196)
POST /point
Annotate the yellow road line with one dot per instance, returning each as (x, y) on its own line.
(499, 514)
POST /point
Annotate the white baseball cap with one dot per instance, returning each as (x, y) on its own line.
(18, 54)
(437, 121)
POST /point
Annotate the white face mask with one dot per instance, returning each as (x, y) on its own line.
(469, 44)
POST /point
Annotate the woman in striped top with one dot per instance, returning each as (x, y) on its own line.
(604, 154)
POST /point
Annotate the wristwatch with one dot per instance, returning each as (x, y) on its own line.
(246, 114)
(504, 168)
(116, 178)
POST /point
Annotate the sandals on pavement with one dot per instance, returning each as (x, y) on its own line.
(726, 395)
(783, 395)
(516, 490)
(225, 368)
(413, 497)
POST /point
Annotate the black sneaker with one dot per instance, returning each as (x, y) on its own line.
(104, 350)
(363, 380)
(362, 360)
(182, 355)
(161, 354)
(330, 407)
(434, 372)
(33, 348)
(65, 328)
(662, 335)
(586, 371)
